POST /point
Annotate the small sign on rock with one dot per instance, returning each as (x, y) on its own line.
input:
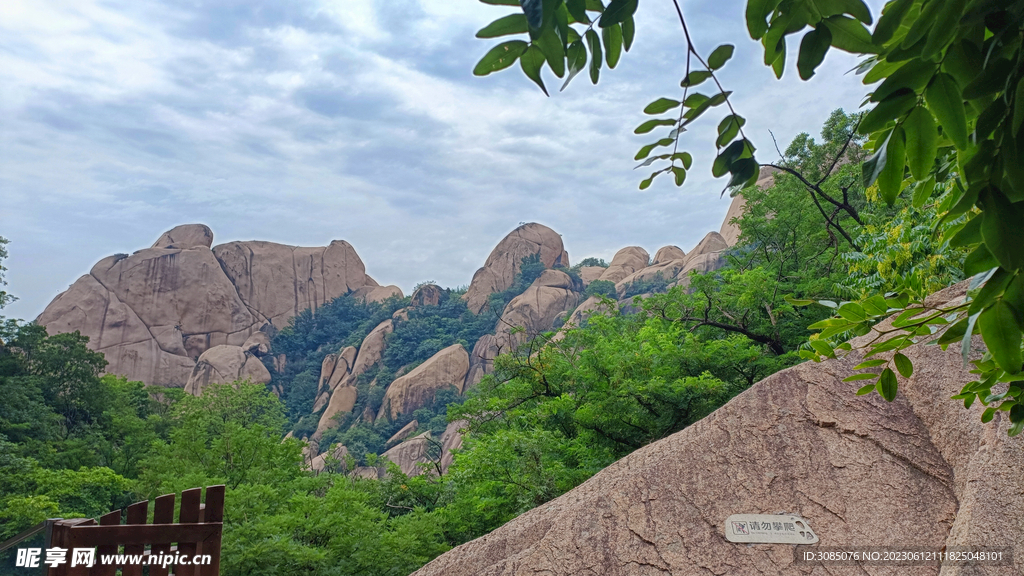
(769, 529)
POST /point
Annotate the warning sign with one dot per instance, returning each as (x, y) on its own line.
(769, 529)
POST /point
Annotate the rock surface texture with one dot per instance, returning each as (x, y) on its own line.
(505, 261)
(920, 471)
(224, 364)
(155, 313)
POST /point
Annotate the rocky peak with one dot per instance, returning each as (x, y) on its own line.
(505, 261)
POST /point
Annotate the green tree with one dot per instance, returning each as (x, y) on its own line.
(948, 106)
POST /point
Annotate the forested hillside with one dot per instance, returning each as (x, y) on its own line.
(554, 410)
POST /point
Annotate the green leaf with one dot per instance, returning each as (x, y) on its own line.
(551, 46)
(628, 32)
(813, 48)
(661, 105)
(823, 348)
(987, 415)
(891, 107)
(993, 288)
(594, 42)
(922, 25)
(1001, 229)
(850, 35)
(992, 79)
(923, 191)
(979, 260)
(645, 184)
(969, 235)
(890, 20)
(531, 62)
(954, 332)
(616, 12)
(1018, 109)
(725, 159)
(511, 24)
(856, 8)
(576, 56)
(595, 5)
(873, 166)
(945, 101)
(500, 57)
(720, 56)
(890, 180)
(1002, 335)
(887, 384)
(680, 174)
(914, 75)
(685, 158)
(853, 312)
(652, 124)
(578, 10)
(728, 129)
(612, 36)
(694, 78)
(757, 13)
(865, 376)
(945, 27)
(922, 142)
(871, 364)
(647, 149)
(904, 365)
(866, 389)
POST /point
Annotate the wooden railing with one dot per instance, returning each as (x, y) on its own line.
(197, 533)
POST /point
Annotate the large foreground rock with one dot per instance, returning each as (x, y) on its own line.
(505, 261)
(920, 471)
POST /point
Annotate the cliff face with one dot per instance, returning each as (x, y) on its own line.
(920, 471)
(155, 313)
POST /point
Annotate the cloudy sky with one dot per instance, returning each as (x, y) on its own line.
(311, 120)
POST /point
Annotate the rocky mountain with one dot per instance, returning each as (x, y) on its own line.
(186, 313)
(920, 471)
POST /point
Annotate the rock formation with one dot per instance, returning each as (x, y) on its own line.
(276, 282)
(668, 254)
(410, 454)
(919, 471)
(535, 309)
(625, 262)
(186, 236)
(590, 273)
(481, 359)
(427, 295)
(505, 261)
(154, 313)
(417, 388)
(224, 364)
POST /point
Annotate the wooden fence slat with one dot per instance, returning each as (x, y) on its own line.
(142, 534)
(61, 538)
(163, 513)
(189, 514)
(213, 514)
(108, 519)
(136, 515)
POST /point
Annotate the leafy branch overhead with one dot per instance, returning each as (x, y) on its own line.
(943, 123)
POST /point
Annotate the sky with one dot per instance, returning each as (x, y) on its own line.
(305, 121)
